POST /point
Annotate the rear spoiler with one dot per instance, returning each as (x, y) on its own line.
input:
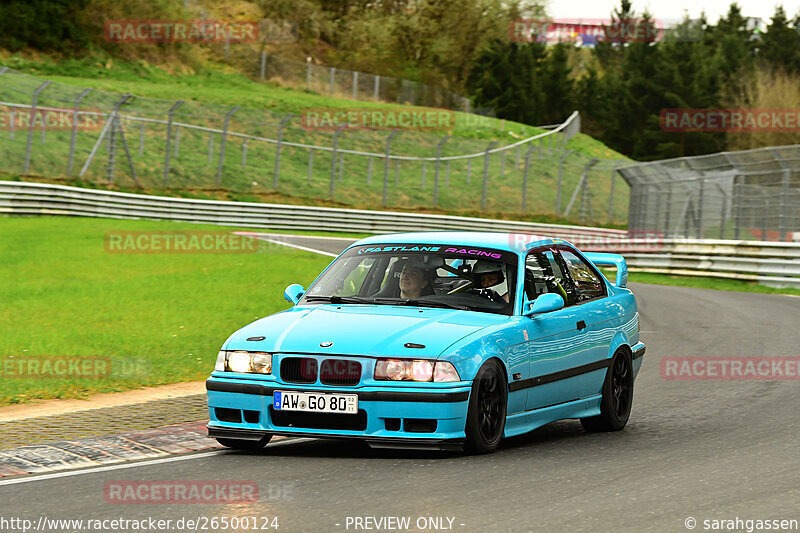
(611, 260)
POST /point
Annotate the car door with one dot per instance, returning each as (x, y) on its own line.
(557, 340)
(600, 315)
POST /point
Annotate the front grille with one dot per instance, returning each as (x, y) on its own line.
(295, 419)
(299, 370)
(340, 372)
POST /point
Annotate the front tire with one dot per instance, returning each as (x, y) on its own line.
(486, 413)
(615, 407)
(242, 444)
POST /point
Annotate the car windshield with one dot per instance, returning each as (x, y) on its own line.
(446, 276)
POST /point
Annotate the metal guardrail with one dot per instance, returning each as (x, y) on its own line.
(24, 198)
(769, 263)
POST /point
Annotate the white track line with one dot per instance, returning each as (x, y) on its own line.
(304, 248)
(147, 462)
(294, 236)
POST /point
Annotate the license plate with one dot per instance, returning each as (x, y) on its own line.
(315, 402)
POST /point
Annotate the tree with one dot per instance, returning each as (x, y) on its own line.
(780, 48)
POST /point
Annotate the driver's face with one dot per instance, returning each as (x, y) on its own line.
(489, 279)
(412, 280)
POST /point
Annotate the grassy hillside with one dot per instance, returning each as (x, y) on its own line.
(248, 171)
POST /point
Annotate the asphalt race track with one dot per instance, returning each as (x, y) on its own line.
(701, 449)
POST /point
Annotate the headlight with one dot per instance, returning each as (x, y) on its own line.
(415, 370)
(247, 362)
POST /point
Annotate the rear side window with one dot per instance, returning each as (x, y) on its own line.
(587, 283)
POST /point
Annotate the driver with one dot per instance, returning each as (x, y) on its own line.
(413, 279)
(486, 274)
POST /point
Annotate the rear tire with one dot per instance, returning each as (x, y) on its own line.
(615, 407)
(241, 444)
(486, 412)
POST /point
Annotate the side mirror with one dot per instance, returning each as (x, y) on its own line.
(543, 304)
(293, 293)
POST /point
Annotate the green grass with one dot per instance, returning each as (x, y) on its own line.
(707, 283)
(160, 317)
(359, 181)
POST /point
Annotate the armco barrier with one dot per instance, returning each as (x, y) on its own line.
(23, 198)
(769, 263)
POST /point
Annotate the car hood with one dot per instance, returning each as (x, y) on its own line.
(361, 330)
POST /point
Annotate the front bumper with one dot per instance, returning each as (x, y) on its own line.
(389, 416)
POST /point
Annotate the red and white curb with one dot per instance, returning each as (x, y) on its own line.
(93, 451)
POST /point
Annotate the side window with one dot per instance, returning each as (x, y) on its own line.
(544, 274)
(587, 283)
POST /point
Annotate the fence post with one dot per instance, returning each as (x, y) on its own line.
(263, 64)
(308, 73)
(141, 139)
(223, 142)
(177, 141)
(127, 152)
(486, 173)
(502, 162)
(611, 194)
(424, 171)
(11, 126)
(333, 157)
(699, 210)
(103, 134)
(167, 152)
(377, 88)
(784, 205)
(355, 85)
(581, 184)
(74, 136)
(560, 176)
(667, 210)
(210, 148)
(32, 124)
(525, 177)
(333, 77)
(723, 217)
(386, 166)
(469, 170)
(227, 44)
(438, 164)
(283, 123)
(341, 167)
(112, 145)
(244, 153)
(369, 170)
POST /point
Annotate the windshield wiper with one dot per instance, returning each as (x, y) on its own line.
(417, 302)
(339, 299)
